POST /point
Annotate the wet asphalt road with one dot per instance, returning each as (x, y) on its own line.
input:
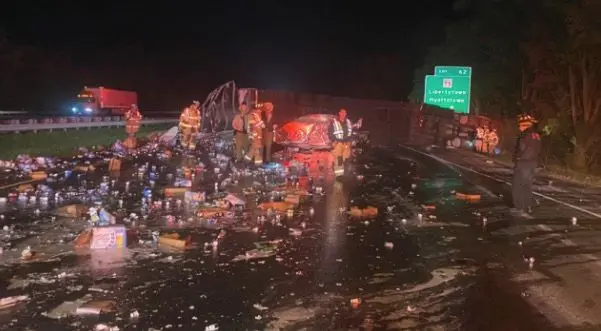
(426, 262)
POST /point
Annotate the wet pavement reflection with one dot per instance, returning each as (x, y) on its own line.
(321, 265)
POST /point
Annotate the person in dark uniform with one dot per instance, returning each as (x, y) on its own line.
(267, 131)
(525, 159)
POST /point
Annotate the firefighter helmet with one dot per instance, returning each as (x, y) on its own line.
(196, 103)
(526, 118)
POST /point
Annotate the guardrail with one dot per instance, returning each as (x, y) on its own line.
(66, 123)
(25, 115)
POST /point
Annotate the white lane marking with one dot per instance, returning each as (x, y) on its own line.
(569, 205)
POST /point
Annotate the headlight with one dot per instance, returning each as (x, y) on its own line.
(89, 110)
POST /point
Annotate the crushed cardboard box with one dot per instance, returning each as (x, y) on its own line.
(72, 211)
(39, 175)
(114, 165)
(468, 197)
(176, 191)
(281, 206)
(367, 212)
(174, 240)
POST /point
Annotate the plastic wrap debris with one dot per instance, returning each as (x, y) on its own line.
(67, 308)
(169, 138)
(264, 249)
(96, 307)
(173, 240)
(194, 198)
(106, 218)
(234, 201)
(212, 212)
(10, 302)
(182, 182)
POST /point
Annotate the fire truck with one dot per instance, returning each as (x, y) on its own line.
(103, 101)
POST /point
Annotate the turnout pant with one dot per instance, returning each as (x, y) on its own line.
(523, 176)
(339, 153)
(267, 142)
(188, 138)
(240, 145)
(478, 145)
(255, 152)
(346, 152)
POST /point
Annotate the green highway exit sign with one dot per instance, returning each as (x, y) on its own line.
(449, 88)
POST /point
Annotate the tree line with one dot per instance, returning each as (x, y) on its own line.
(541, 57)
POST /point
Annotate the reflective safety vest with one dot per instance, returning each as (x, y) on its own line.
(338, 130)
(349, 128)
(479, 133)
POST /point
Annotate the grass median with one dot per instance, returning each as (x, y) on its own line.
(64, 143)
(561, 171)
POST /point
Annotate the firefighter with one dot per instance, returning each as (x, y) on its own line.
(132, 125)
(341, 132)
(268, 131)
(132, 120)
(492, 141)
(255, 128)
(525, 159)
(485, 141)
(240, 133)
(479, 141)
(189, 125)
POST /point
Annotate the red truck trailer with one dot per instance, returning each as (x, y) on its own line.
(102, 100)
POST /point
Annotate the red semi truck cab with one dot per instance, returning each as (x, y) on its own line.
(102, 100)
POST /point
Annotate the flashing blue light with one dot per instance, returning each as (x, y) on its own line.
(497, 151)
(74, 109)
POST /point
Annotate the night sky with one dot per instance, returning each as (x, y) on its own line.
(325, 47)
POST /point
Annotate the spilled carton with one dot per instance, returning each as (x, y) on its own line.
(293, 199)
(83, 240)
(367, 212)
(176, 191)
(39, 175)
(114, 165)
(85, 168)
(174, 240)
(72, 211)
(468, 197)
(280, 206)
(211, 212)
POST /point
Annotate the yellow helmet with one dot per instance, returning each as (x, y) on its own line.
(526, 118)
